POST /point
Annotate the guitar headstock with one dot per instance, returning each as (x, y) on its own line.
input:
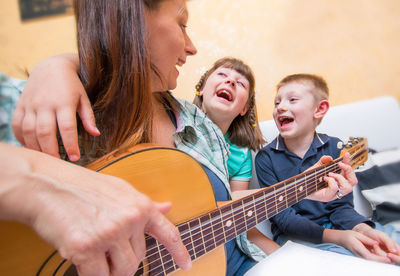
(357, 147)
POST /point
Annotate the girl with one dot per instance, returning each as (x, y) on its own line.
(226, 94)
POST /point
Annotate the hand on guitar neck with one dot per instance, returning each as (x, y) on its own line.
(343, 181)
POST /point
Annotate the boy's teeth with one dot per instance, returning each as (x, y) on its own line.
(179, 63)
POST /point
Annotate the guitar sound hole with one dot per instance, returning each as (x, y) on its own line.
(71, 271)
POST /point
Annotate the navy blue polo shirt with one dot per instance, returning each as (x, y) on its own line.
(304, 220)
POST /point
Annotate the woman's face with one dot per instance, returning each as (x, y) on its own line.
(169, 44)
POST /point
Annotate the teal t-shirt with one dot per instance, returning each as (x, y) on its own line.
(240, 165)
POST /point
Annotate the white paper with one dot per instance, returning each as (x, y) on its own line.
(297, 259)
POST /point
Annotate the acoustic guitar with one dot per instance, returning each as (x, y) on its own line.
(166, 174)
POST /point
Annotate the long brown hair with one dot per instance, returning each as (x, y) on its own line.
(115, 71)
(244, 130)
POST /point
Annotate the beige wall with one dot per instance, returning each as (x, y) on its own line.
(354, 44)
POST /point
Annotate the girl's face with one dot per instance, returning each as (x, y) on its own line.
(169, 44)
(225, 95)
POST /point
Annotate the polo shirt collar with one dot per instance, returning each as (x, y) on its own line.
(318, 141)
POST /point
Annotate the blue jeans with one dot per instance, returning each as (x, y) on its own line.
(245, 267)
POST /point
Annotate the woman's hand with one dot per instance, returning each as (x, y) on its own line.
(342, 182)
(95, 220)
(358, 243)
(385, 245)
(52, 97)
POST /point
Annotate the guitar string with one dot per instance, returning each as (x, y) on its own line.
(231, 215)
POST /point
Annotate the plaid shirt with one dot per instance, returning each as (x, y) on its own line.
(199, 137)
(10, 91)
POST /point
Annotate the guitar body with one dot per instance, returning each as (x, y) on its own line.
(163, 174)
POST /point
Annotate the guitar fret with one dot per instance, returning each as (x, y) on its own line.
(186, 238)
(264, 196)
(235, 219)
(191, 240)
(259, 209)
(212, 229)
(244, 215)
(152, 254)
(202, 235)
(207, 233)
(227, 218)
(280, 195)
(161, 257)
(286, 194)
(197, 238)
(220, 233)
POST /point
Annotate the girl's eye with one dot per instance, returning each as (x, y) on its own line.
(293, 99)
(241, 84)
(221, 74)
(276, 103)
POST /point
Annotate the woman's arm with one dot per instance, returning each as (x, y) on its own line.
(52, 97)
(95, 220)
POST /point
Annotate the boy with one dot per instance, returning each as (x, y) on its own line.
(300, 104)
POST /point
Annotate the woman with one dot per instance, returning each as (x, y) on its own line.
(128, 56)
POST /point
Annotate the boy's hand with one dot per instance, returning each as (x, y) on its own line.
(342, 182)
(386, 246)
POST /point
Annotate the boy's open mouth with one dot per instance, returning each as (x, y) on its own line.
(225, 94)
(285, 120)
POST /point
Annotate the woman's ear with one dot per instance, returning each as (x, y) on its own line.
(321, 110)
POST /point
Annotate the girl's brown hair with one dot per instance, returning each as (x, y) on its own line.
(244, 130)
(115, 71)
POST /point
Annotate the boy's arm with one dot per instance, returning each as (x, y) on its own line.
(343, 215)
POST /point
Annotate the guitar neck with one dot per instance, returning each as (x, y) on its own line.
(208, 231)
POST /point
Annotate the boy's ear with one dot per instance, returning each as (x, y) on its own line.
(244, 111)
(321, 110)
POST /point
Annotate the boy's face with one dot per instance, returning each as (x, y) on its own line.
(295, 109)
